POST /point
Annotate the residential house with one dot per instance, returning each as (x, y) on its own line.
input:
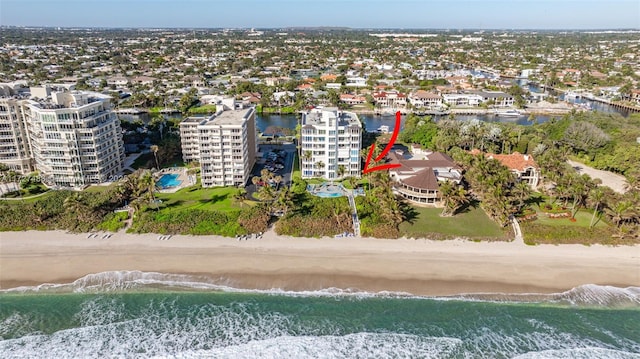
(356, 82)
(350, 99)
(523, 166)
(461, 99)
(498, 98)
(390, 99)
(418, 176)
(117, 81)
(422, 99)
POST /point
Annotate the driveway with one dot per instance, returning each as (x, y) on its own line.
(614, 181)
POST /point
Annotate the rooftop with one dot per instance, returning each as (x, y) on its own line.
(230, 117)
(323, 116)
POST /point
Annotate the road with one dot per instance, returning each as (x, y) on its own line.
(614, 181)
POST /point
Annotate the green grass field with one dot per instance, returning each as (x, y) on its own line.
(473, 224)
(203, 110)
(195, 197)
(583, 219)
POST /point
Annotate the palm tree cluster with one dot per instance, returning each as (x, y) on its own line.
(565, 185)
(502, 195)
(138, 189)
(380, 211)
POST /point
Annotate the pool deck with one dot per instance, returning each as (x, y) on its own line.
(331, 190)
(185, 179)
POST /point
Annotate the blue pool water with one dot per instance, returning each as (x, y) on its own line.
(168, 180)
(328, 194)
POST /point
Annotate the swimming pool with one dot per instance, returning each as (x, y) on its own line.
(168, 181)
(328, 194)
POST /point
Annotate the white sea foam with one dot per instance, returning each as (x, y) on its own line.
(584, 295)
(163, 328)
(579, 353)
(360, 345)
(168, 328)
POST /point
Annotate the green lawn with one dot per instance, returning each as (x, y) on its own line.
(583, 219)
(98, 189)
(203, 110)
(472, 224)
(195, 197)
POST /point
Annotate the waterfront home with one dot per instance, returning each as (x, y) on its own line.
(390, 99)
(423, 99)
(418, 176)
(461, 99)
(350, 99)
(499, 98)
(523, 166)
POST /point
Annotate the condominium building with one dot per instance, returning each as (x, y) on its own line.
(74, 137)
(14, 141)
(224, 144)
(330, 143)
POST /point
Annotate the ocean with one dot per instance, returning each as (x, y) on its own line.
(151, 315)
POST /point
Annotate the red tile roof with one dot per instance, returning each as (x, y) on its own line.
(514, 161)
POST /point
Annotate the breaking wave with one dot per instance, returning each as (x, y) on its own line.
(120, 281)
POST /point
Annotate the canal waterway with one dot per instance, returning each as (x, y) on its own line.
(373, 122)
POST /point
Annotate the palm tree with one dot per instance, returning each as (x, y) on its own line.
(255, 180)
(154, 149)
(277, 179)
(239, 197)
(597, 197)
(148, 186)
(75, 204)
(265, 175)
(320, 164)
(340, 171)
(521, 192)
(619, 212)
(453, 196)
(265, 194)
(284, 201)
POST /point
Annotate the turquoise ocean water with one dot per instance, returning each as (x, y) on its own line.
(153, 315)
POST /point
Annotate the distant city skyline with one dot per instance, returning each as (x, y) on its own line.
(413, 14)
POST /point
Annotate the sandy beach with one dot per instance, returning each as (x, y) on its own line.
(417, 266)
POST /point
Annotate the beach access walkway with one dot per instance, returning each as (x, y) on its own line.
(354, 213)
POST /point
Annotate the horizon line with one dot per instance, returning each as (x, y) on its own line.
(627, 29)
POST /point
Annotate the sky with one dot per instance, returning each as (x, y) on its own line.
(413, 14)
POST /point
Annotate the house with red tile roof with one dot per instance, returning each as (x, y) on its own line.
(304, 87)
(390, 99)
(523, 166)
(329, 77)
(350, 99)
(417, 179)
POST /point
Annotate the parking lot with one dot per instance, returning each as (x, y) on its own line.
(278, 159)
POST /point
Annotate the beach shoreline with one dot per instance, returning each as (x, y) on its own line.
(413, 266)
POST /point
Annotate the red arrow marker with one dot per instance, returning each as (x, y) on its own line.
(386, 150)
